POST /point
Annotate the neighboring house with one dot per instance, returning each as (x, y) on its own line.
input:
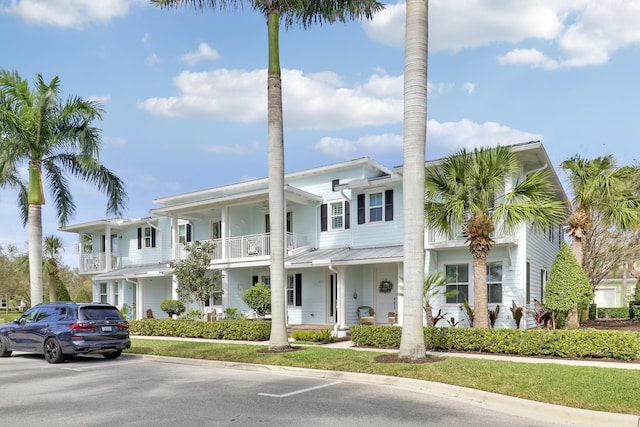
(344, 240)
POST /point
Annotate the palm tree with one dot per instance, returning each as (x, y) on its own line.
(471, 190)
(599, 186)
(415, 135)
(305, 13)
(51, 263)
(52, 137)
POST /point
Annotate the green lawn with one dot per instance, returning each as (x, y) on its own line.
(600, 389)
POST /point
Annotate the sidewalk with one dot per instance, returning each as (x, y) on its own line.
(541, 412)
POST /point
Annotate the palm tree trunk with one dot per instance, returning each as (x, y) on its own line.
(278, 338)
(34, 221)
(480, 295)
(415, 121)
(576, 249)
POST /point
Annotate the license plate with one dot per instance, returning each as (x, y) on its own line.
(107, 329)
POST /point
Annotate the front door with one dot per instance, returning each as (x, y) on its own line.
(386, 289)
(332, 298)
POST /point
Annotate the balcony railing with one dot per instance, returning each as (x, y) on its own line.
(246, 246)
(96, 262)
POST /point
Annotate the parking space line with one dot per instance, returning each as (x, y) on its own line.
(299, 391)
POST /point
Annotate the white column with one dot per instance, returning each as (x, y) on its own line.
(174, 237)
(400, 294)
(111, 292)
(107, 248)
(224, 231)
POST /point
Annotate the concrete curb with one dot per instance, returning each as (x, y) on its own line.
(541, 412)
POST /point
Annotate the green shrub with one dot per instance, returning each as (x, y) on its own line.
(534, 342)
(323, 336)
(258, 297)
(634, 312)
(613, 313)
(172, 307)
(245, 330)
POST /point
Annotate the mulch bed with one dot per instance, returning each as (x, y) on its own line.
(613, 324)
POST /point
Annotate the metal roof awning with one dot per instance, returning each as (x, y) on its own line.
(154, 270)
(347, 256)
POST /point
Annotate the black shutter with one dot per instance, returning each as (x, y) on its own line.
(298, 290)
(139, 238)
(347, 214)
(362, 213)
(323, 217)
(153, 237)
(388, 205)
(254, 280)
(188, 232)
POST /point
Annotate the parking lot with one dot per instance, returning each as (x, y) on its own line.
(132, 391)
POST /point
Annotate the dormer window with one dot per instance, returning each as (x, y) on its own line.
(334, 216)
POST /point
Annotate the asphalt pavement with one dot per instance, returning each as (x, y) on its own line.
(543, 412)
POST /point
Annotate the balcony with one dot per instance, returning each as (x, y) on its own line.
(97, 262)
(247, 246)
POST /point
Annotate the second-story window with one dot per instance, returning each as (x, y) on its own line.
(375, 207)
(146, 237)
(334, 216)
(184, 233)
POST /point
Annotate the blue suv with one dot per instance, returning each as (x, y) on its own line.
(63, 329)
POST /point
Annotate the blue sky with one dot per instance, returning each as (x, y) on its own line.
(185, 92)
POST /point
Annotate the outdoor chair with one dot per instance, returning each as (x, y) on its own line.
(366, 315)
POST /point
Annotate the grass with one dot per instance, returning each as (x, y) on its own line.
(600, 389)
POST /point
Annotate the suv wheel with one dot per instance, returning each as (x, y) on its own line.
(52, 351)
(3, 349)
(112, 355)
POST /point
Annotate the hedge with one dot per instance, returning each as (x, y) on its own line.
(245, 330)
(576, 343)
(613, 313)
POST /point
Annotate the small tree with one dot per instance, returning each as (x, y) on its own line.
(197, 282)
(568, 287)
(172, 307)
(433, 286)
(258, 297)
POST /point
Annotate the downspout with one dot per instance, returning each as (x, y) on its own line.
(350, 207)
(337, 325)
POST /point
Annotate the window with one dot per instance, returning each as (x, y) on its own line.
(457, 276)
(333, 216)
(543, 282)
(494, 282)
(103, 292)
(216, 296)
(216, 230)
(184, 233)
(262, 279)
(294, 290)
(288, 223)
(146, 237)
(375, 207)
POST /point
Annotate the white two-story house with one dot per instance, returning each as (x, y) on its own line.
(344, 235)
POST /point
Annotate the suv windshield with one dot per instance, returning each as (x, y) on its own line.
(99, 313)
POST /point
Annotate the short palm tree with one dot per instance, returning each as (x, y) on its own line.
(305, 13)
(52, 138)
(600, 187)
(478, 190)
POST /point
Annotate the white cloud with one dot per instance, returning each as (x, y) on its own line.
(568, 33)
(153, 59)
(452, 136)
(316, 101)
(101, 99)
(373, 145)
(470, 87)
(76, 14)
(442, 138)
(203, 53)
(146, 39)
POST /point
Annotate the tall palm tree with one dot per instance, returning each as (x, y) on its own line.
(415, 135)
(478, 190)
(600, 186)
(53, 138)
(304, 13)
